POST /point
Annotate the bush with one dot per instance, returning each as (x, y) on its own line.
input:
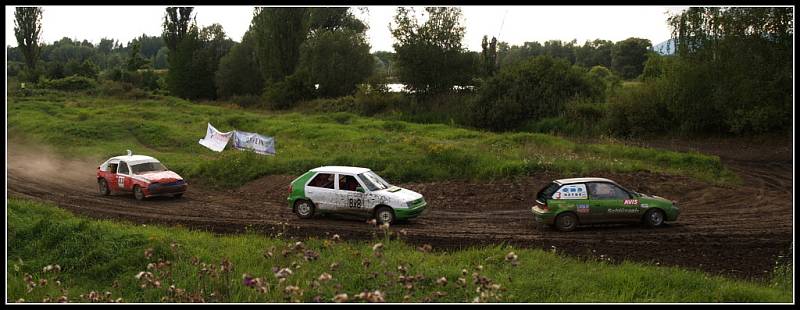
(291, 90)
(639, 111)
(72, 83)
(534, 89)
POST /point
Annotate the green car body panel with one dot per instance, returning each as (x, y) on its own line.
(629, 206)
(298, 190)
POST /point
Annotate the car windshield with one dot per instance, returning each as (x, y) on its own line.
(547, 192)
(148, 167)
(373, 181)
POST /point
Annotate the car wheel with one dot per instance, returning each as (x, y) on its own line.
(103, 185)
(137, 192)
(177, 195)
(654, 218)
(566, 222)
(384, 215)
(304, 209)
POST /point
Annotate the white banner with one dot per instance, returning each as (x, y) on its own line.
(254, 142)
(214, 139)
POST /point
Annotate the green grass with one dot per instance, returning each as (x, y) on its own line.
(106, 256)
(169, 128)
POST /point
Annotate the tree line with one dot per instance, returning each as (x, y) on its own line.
(731, 73)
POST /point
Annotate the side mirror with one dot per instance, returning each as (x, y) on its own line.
(360, 189)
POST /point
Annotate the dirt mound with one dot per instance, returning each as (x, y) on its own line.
(733, 230)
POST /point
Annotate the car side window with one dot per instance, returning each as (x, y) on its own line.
(112, 168)
(324, 180)
(607, 191)
(571, 191)
(123, 168)
(348, 183)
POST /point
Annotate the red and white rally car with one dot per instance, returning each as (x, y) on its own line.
(144, 176)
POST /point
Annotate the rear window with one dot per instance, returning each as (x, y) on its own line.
(546, 192)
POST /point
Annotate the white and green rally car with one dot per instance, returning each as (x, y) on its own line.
(353, 190)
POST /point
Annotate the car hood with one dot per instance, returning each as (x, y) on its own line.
(400, 194)
(160, 176)
(655, 197)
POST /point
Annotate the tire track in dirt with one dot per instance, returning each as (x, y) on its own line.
(733, 230)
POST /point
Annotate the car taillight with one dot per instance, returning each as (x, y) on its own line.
(290, 188)
(544, 207)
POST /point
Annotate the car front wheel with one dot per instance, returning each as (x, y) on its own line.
(103, 185)
(566, 222)
(304, 209)
(137, 192)
(384, 215)
(654, 218)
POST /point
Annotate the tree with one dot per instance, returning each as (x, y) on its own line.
(177, 22)
(429, 56)
(336, 53)
(489, 56)
(182, 38)
(279, 32)
(27, 28)
(629, 55)
(135, 59)
(238, 72)
(594, 53)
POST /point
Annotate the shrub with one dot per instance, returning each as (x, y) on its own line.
(639, 111)
(72, 83)
(534, 89)
(291, 90)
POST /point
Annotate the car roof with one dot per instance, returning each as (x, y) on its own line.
(341, 169)
(582, 180)
(133, 159)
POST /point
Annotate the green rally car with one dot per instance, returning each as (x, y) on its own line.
(353, 190)
(567, 203)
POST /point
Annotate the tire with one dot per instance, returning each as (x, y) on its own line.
(653, 218)
(137, 192)
(304, 209)
(384, 215)
(176, 196)
(566, 222)
(103, 186)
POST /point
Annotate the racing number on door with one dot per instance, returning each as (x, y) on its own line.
(354, 202)
(121, 181)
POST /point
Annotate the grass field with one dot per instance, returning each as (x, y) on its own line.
(56, 256)
(169, 128)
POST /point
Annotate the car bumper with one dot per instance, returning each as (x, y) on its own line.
(542, 216)
(410, 212)
(160, 189)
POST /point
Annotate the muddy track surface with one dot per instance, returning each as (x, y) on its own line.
(737, 231)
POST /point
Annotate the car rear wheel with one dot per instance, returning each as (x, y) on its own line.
(103, 185)
(304, 209)
(654, 218)
(384, 215)
(137, 192)
(566, 222)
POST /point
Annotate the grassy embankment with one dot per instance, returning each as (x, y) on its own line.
(169, 128)
(105, 257)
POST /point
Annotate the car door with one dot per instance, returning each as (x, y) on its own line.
(611, 203)
(123, 178)
(321, 190)
(110, 175)
(349, 199)
(574, 197)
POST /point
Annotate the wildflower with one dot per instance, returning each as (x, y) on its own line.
(403, 232)
(340, 298)
(366, 263)
(377, 247)
(461, 281)
(283, 273)
(62, 299)
(299, 246)
(336, 237)
(385, 226)
(442, 281)
(310, 255)
(21, 300)
(402, 269)
(291, 289)
(42, 282)
(246, 280)
(150, 266)
(425, 248)
(324, 277)
(148, 253)
(372, 222)
(334, 265)
(464, 272)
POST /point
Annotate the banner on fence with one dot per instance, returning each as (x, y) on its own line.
(215, 140)
(254, 142)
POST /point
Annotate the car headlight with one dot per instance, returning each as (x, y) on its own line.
(410, 204)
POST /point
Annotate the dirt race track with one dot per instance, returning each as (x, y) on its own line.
(738, 231)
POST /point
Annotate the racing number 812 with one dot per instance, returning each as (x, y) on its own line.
(354, 203)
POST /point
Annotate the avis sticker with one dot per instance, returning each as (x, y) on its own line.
(631, 202)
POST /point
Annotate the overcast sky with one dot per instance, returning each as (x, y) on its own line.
(513, 24)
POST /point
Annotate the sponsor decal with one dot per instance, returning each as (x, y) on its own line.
(583, 208)
(215, 140)
(623, 211)
(255, 142)
(574, 191)
(631, 202)
(644, 205)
